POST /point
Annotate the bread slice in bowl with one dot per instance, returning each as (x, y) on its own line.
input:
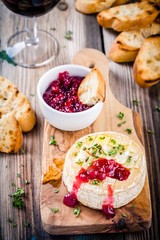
(92, 88)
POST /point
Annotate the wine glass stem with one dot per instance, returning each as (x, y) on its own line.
(31, 32)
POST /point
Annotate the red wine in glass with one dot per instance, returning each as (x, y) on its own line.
(31, 47)
(30, 8)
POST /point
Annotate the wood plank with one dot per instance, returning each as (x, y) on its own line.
(92, 221)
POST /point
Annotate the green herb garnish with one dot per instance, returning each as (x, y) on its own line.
(55, 210)
(97, 149)
(113, 141)
(53, 28)
(120, 148)
(87, 158)
(17, 198)
(5, 57)
(128, 160)
(133, 206)
(95, 182)
(120, 115)
(136, 102)
(56, 190)
(90, 138)
(27, 182)
(69, 35)
(13, 223)
(79, 144)
(22, 150)
(157, 108)
(120, 124)
(79, 162)
(151, 131)
(102, 138)
(26, 224)
(75, 154)
(76, 211)
(129, 131)
(52, 141)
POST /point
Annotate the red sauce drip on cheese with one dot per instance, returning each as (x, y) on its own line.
(99, 170)
(107, 205)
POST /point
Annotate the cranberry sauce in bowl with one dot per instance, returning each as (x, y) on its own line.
(57, 96)
(62, 93)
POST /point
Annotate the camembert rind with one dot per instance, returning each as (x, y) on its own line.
(109, 145)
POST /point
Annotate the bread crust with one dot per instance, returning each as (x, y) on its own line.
(119, 55)
(92, 6)
(92, 88)
(11, 137)
(120, 18)
(96, 6)
(146, 68)
(24, 113)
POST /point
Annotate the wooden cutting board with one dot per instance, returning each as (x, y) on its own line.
(136, 215)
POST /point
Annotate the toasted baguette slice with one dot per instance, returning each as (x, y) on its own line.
(11, 137)
(127, 17)
(8, 92)
(24, 113)
(11, 100)
(92, 6)
(95, 6)
(92, 88)
(127, 44)
(146, 68)
(116, 54)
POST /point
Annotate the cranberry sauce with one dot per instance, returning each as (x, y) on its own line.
(62, 94)
(102, 168)
(99, 170)
(107, 205)
(70, 199)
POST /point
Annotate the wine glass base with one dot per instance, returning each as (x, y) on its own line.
(32, 55)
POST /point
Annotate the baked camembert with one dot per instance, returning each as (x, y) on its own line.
(104, 171)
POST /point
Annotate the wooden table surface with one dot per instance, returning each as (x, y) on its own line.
(15, 168)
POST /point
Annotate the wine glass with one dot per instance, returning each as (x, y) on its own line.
(31, 47)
